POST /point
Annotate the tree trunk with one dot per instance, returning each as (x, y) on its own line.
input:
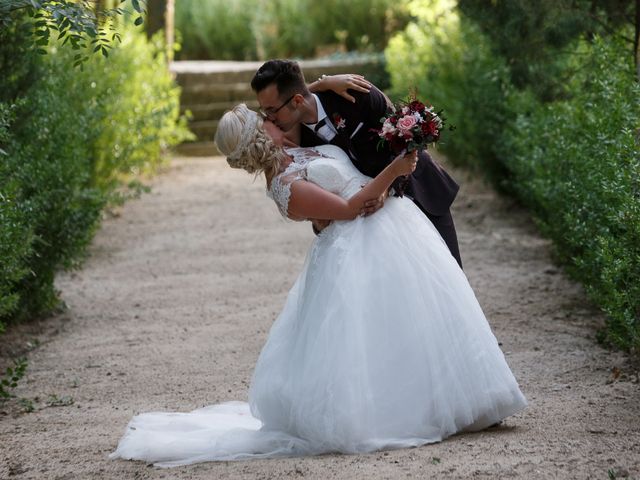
(155, 16)
(636, 41)
(169, 28)
(160, 16)
(99, 9)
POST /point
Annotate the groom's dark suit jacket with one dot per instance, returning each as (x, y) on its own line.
(431, 188)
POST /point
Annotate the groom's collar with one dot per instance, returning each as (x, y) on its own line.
(321, 113)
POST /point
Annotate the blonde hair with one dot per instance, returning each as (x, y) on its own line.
(242, 139)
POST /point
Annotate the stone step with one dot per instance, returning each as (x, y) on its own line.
(197, 149)
(194, 72)
(209, 88)
(216, 93)
(188, 80)
(190, 73)
(214, 111)
(197, 81)
(204, 130)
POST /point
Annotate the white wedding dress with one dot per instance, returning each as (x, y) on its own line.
(381, 344)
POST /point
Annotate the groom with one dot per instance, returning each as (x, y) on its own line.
(313, 119)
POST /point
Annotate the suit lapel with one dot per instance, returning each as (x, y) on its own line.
(336, 112)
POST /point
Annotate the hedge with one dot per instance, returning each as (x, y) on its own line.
(69, 139)
(573, 160)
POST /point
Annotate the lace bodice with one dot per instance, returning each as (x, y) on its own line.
(326, 165)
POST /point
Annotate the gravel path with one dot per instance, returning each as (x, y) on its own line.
(177, 297)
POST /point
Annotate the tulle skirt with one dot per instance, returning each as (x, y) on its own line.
(381, 344)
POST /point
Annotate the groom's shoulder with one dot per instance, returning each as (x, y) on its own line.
(331, 99)
(374, 100)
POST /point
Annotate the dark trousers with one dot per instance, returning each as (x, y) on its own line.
(446, 228)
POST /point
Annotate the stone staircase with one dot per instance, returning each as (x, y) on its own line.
(209, 88)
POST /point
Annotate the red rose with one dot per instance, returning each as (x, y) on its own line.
(417, 106)
(397, 144)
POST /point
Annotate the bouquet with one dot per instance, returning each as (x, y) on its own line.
(411, 125)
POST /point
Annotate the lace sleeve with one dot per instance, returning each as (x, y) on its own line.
(280, 190)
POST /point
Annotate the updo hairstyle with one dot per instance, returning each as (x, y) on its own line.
(242, 139)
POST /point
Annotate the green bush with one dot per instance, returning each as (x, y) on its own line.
(218, 29)
(49, 159)
(15, 235)
(448, 62)
(68, 139)
(576, 163)
(530, 36)
(134, 100)
(250, 30)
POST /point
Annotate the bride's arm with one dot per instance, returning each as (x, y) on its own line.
(341, 84)
(308, 200)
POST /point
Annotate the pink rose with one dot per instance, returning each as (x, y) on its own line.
(406, 123)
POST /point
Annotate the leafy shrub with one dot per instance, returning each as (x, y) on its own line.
(11, 377)
(531, 35)
(448, 62)
(220, 29)
(49, 163)
(576, 163)
(15, 234)
(249, 29)
(68, 137)
(134, 100)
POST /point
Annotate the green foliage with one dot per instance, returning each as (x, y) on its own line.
(50, 159)
(219, 29)
(27, 405)
(54, 401)
(15, 235)
(88, 28)
(576, 163)
(433, 58)
(252, 29)
(69, 138)
(285, 28)
(572, 157)
(11, 378)
(531, 35)
(136, 103)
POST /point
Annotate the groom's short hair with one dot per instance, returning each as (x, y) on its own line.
(286, 74)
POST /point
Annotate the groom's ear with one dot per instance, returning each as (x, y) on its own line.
(297, 100)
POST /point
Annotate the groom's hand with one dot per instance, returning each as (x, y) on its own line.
(372, 206)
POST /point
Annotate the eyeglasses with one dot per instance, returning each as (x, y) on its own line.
(271, 112)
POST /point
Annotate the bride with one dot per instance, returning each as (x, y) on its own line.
(381, 342)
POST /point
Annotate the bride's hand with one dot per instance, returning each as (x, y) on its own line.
(405, 163)
(342, 83)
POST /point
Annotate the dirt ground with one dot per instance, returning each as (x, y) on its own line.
(178, 294)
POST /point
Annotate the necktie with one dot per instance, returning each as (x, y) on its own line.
(320, 124)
